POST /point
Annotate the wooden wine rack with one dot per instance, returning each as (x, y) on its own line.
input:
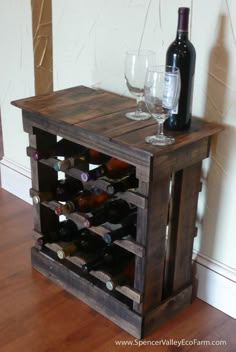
(169, 183)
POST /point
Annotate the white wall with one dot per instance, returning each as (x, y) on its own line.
(16, 81)
(16, 74)
(215, 99)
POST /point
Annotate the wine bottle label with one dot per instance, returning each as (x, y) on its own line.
(169, 92)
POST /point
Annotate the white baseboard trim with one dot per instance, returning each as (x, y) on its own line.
(216, 283)
(15, 179)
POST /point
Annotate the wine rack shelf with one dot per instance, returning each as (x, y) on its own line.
(166, 200)
(128, 243)
(130, 196)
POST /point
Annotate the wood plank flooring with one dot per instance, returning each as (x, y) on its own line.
(1, 144)
(38, 316)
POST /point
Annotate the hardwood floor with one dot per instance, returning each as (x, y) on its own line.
(1, 144)
(38, 316)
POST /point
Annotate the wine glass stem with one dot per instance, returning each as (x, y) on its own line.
(160, 128)
(139, 106)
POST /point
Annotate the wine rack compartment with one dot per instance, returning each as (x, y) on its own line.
(166, 184)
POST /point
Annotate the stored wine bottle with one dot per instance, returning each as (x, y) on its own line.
(88, 243)
(83, 202)
(67, 231)
(128, 228)
(62, 148)
(51, 237)
(90, 156)
(62, 191)
(181, 54)
(123, 185)
(110, 259)
(113, 168)
(112, 212)
(125, 277)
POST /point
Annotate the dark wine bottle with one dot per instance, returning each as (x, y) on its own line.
(125, 277)
(83, 202)
(113, 168)
(90, 156)
(62, 148)
(128, 227)
(123, 185)
(66, 232)
(181, 53)
(110, 259)
(88, 243)
(62, 190)
(113, 212)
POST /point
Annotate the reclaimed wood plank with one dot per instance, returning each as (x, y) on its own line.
(59, 98)
(64, 107)
(167, 309)
(150, 269)
(182, 227)
(42, 178)
(199, 129)
(141, 238)
(114, 125)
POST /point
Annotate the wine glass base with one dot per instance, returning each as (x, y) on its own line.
(160, 140)
(138, 116)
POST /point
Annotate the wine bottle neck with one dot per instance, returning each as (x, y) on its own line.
(183, 20)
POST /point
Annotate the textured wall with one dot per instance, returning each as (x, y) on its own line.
(214, 99)
(90, 39)
(16, 72)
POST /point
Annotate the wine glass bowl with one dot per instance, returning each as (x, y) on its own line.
(136, 65)
(161, 93)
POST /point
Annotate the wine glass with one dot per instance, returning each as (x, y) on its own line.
(161, 92)
(136, 64)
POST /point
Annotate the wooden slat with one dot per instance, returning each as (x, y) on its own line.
(149, 270)
(199, 129)
(69, 277)
(187, 182)
(178, 266)
(114, 125)
(167, 309)
(88, 105)
(141, 238)
(60, 98)
(42, 178)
